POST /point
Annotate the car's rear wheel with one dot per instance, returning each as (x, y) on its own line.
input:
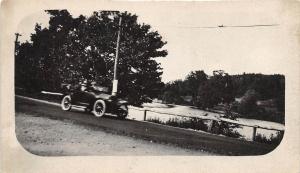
(66, 103)
(123, 112)
(99, 108)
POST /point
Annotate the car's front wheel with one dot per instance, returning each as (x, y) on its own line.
(99, 108)
(66, 103)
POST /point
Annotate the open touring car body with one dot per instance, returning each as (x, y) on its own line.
(94, 100)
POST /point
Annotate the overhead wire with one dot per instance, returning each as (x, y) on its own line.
(225, 26)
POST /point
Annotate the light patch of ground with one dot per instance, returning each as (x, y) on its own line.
(51, 137)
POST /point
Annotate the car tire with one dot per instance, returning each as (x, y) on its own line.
(123, 112)
(66, 103)
(99, 108)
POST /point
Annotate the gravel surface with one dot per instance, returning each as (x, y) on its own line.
(51, 137)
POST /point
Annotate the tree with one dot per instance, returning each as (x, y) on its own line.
(218, 89)
(26, 68)
(266, 86)
(248, 103)
(173, 92)
(73, 50)
(193, 81)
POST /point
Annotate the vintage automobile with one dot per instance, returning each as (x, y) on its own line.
(94, 100)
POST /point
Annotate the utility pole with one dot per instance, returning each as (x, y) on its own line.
(16, 42)
(115, 81)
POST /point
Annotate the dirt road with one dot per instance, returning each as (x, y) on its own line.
(51, 137)
(147, 131)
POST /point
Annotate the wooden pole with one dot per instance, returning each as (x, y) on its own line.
(17, 42)
(254, 133)
(145, 114)
(115, 81)
(17, 36)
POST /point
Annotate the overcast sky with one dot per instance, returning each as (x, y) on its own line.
(191, 47)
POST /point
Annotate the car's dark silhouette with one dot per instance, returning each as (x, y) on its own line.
(94, 100)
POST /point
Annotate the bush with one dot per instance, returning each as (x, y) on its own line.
(191, 123)
(155, 120)
(274, 139)
(227, 129)
(224, 128)
(248, 103)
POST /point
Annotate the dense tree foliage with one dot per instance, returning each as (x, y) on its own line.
(26, 68)
(266, 86)
(222, 88)
(174, 91)
(218, 89)
(248, 102)
(72, 50)
(194, 80)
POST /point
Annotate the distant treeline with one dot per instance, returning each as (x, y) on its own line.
(252, 95)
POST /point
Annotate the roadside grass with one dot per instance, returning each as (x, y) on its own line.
(192, 123)
(187, 123)
(273, 140)
(222, 128)
(228, 129)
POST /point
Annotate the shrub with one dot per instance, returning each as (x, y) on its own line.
(155, 120)
(192, 123)
(274, 139)
(227, 129)
(248, 103)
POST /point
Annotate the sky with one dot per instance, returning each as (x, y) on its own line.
(191, 46)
